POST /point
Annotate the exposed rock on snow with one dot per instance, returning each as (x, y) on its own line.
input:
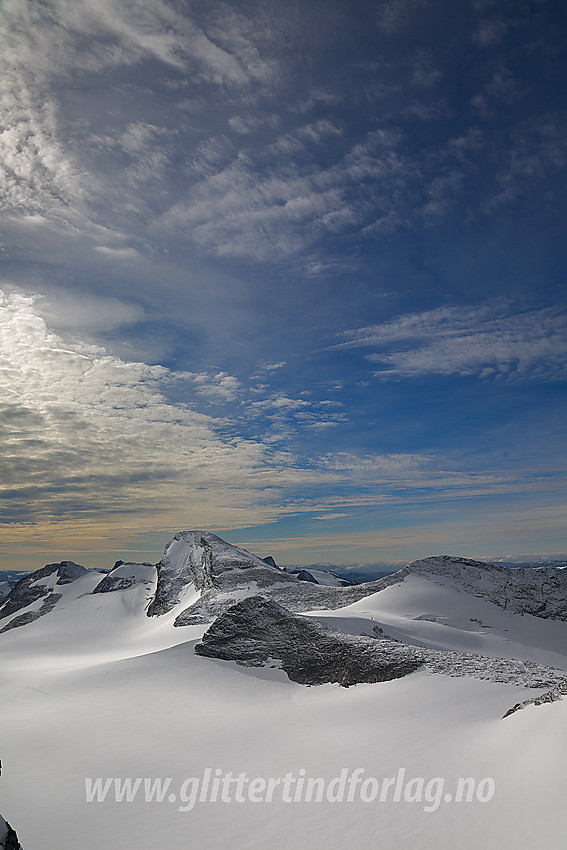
(556, 693)
(8, 579)
(126, 575)
(29, 616)
(506, 671)
(35, 586)
(257, 632)
(303, 575)
(270, 561)
(258, 629)
(8, 837)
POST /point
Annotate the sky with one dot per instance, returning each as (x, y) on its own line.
(293, 272)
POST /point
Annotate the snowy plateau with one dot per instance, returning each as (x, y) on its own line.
(215, 700)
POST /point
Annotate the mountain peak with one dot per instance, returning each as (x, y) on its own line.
(39, 584)
(208, 562)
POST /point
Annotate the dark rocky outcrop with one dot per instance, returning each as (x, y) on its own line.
(40, 584)
(270, 561)
(326, 578)
(123, 576)
(304, 575)
(29, 616)
(8, 837)
(556, 693)
(257, 631)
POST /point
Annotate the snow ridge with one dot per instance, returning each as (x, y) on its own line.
(556, 693)
(539, 591)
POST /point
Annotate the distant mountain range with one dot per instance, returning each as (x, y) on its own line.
(325, 574)
(202, 578)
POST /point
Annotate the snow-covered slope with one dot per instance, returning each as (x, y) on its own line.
(423, 610)
(172, 715)
(97, 688)
(540, 591)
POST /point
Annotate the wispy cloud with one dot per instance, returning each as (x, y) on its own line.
(395, 15)
(206, 152)
(87, 435)
(55, 34)
(260, 208)
(537, 151)
(51, 164)
(491, 31)
(488, 342)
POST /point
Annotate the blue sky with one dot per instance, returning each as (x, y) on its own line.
(293, 272)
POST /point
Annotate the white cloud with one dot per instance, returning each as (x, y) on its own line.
(91, 440)
(280, 403)
(62, 36)
(313, 133)
(92, 444)
(66, 310)
(219, 386)
(244, 209)
(537, 151)
(243, 125)
(486, 341)
(86, 435)
(425, 74)
(389, 465)
(315, 98)
(205, 152)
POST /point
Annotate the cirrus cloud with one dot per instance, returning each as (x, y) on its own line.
(486, 341)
